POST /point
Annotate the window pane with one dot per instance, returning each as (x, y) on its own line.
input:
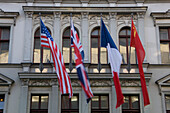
(167, 101)
(163, 34)
(4, 49)
(123, 32)
(67, 33)
(74, 102)
(44, 102)
(95, 32)
(103, 55)
(126, 102)
(66, 50)
(5, 33)
(94, 50)
(65, 102)
(135, 102)
(1, 101)
(165, 56)
(46, 55)
(123, 51)
(104, 102)
(35, 102)
(37, 50)
(132, 55)
(95, 102)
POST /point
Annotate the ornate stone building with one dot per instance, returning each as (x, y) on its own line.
(24, 89)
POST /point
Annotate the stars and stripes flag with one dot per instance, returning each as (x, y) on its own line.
(79, 56)
(63, 77)
(115, 60)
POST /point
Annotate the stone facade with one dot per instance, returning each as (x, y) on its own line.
(20, 77)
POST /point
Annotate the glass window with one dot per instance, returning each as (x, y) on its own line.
(4, 44)
(2, 103)
(45, 51)
(100, 104)
(131, 104)
(68, 52)
(165, 45)
(96, 50)
(124, 46)
(167, 102)
(70, 105)
(39, 103)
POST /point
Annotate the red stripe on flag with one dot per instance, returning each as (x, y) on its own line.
(119, 94)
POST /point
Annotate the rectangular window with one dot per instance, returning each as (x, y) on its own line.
(70, 105)
(165, 45)
(39, 103)
(167, 102)
(131, 104)
(4, 44)
(100, 104)
(1, 103)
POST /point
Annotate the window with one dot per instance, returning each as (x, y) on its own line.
(45, 51)
(124, 46)
(4, 44)
(165, 45)
(97, 52)
(1, 103)
(100, 104)
(131, 104)
(39, 103)
(167, 102)
(70, 105)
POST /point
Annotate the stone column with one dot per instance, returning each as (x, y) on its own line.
(113, 27)
(84, 36)
(57, 29)
(54, 97)
(141, 32)
(24, 96)
(28, 37)
(84, 105)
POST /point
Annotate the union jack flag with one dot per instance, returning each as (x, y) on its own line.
(79, 56)
(63, 77)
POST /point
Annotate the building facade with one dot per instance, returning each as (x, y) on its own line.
(24, 89)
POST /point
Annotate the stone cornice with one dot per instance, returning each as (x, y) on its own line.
(161, 15)
(46, 9)
(4, 14)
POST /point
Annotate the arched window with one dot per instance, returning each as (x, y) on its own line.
(97, 52)
(68, 52)
(124, 46)
(45, 51)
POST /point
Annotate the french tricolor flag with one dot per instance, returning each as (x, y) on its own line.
(115, 60)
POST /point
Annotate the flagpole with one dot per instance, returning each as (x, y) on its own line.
(70, 64)
(99, 67)
(129, 65)
(41, 49)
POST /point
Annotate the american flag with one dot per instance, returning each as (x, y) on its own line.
(63, 77)
(79, 55)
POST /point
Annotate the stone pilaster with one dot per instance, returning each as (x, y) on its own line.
(84, 35)
(24, 96)
(113, 27)
(28, 37)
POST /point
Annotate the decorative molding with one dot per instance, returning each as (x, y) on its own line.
(84, 1)
(112, 15)
(24, 82)
(30, 1)
(141, 15)
(40, 82)
(45, 18)
(127, 83)
(29, 14)
(57, 14)
(84, 15)
(103, 83)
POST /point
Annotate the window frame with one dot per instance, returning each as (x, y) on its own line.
(130, 110)
(6, 40)
(101, 110)
(167, 111)
(42, 48)
(164, 40)
(70, 110)
(98, 37)
(2, 110)
(39, 104)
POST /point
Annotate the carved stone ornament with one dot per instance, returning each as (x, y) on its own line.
(74, 17)
(45, 18)
(54, 82)
(39, 82)
(1, 11)
(57, 14)
(29, 14)
(103, 83)
(132, 83)
(113, 15)
(75, 83)
(126, 17)
(84, 15)
(24, 82)
(141, 15)
(98, 17)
